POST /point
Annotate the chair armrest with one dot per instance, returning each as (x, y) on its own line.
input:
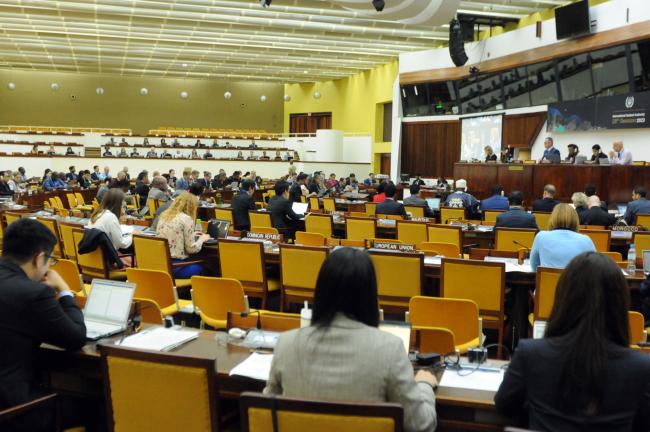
(17, 410)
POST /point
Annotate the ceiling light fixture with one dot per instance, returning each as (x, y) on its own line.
(379, 5)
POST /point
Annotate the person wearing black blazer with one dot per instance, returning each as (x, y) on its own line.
(280, 207)
(36, 306)
(390, 206)
(516, 217)
(596, 215)
(242, 203)
(582, 376)
(548, 202)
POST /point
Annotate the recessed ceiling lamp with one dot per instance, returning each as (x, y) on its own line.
(99, 91)
(54, 86)
(379, 5)
(184, 95)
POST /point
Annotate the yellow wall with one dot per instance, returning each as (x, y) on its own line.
(356, 103)
(121, 106)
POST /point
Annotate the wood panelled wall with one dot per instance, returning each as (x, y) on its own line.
(309, 122)
(431, 148)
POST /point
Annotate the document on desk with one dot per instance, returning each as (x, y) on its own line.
(512, 265)
(433, 260)
(126, 229)
(256, 366)
(477, 380)
(159, 339)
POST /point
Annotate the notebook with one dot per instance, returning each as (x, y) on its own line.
(107, 308)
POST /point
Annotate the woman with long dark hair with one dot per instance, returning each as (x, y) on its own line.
(582, 376)
(343, 356)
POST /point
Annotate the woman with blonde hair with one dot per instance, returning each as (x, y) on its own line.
(561, 243)
(579, 201)
(176, 224)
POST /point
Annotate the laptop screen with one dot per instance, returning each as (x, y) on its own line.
(621, 208)
(218, 228)
(299, 207)
(109, 301)
(433, 203)
(646, 261)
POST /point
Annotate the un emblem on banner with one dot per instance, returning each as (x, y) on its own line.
(629, 102)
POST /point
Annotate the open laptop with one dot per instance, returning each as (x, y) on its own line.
(646, 261)
(107, 308)
(433, 203)
(299, 207)
(218, 228)
(622, 208)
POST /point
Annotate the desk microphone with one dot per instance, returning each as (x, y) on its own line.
(522, 245)
(259, 318)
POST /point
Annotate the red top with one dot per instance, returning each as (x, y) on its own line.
(379, 198)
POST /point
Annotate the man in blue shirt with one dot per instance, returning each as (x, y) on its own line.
(640, 205)
(551, 154)
(183, 183)
(497, 201)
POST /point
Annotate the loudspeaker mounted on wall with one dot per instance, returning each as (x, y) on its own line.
(457, 43)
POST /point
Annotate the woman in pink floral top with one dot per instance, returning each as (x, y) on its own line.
(176, 224)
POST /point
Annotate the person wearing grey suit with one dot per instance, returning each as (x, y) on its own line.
(416, 200)
(342, 355)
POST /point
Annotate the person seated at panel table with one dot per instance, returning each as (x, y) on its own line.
(151, 154)
(596, 215)
(51, 151)
(165, 155)
(418, 180)
(415, 199)
(278, 156)
(107, 152)
(215, 143)
(242, 203)
(620, 155)
(638, 205)
(198, 144)
(176, 224)
(490, 156)
(123, 153)
(363, 363)
(461, 199)
(574, 156)
(548, 201)
(176, 143)
(507, 154)
(496, 201)
(106, 218)
(264, 156)
(145, 142)
(516, 216)
(34, 150)
(123, 143)
(207, 155)
(368, 182)
(37, 306)
(579, 202)
(551, 154)
(562, 242)
(163, 143)
(111, 141)
(70, 152)
(442, 184)
(195, 154)
(251, 156)
(135, 153)
(390, 206)
(582, 375)
(282, 215)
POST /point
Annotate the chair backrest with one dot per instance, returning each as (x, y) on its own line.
(399, 277)
(505, 238)
(260, 219)
(353, 243)
(445, 234)
(637, 327)
(80, 198)
(546, 281)
(51, 224)
(416, 211)
(592, 227)
(193, 404)
(360, 228)
(542, 218)
(641, 242)
(269, 321)
(65, 230)
(321, 224)
(616, 256)
(242, 260)
(72, 200)
(491, 215)
(214, 297)
(69, 272)
(370, 208)
(149, 311)
(314, 204)
(445, 249)
(152, 253)
(299, 268)
(264, 230)
(436, 340)
(643, 219)
(225, 214)
(480, 281)
(59, 202)
(458, 315)
(601, 238)
(451, 213)
(55, 204)
(412, 232)
(310, 239)
(329, 205)
(11, 217)
(153, 285)
(312, 415)
(93, 263)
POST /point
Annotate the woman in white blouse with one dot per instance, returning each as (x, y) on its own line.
(176, 224)
(107, 216)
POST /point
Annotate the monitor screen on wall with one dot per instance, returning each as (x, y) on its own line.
(572, 20)
(479, 132)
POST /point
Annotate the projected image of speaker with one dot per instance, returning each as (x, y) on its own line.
(457, 43)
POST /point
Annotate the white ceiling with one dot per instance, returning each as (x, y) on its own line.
(291, 41)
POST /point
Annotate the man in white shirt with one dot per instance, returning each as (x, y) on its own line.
(620, 156)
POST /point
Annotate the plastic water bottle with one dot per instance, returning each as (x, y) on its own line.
(305, 316)
(198, 227)
(631, 260)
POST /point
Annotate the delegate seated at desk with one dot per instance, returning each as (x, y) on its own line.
(620, 155)
(548, 201)
(242, 203)
(596, 215)
(461, 199)
(282, 215)
(106, 218)
(390, 206)
(597, 155)
(551, 154)
(36, 306)
(638, 205)
(516, 216)
(343, 356)
(496, 201)
(416, 200)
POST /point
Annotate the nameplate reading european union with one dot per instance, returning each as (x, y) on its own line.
(262, 236)
(399, 247)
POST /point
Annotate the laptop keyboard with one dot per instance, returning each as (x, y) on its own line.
(94, 329)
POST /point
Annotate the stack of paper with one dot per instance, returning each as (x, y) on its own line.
(477, 380)
(256, 366)
(159, 339)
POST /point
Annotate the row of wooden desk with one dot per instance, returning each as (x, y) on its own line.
(613, 183)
